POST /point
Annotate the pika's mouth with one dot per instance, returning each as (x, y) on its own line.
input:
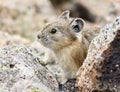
(44, 41)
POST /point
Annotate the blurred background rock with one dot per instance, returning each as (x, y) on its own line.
(24, 18)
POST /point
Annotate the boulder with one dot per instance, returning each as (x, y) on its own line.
(100, 71)
(8, 39)
(21, 71)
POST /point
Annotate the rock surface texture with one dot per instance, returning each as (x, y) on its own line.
(100, 71)
(21, 71)
(7, 39)
(24, 17)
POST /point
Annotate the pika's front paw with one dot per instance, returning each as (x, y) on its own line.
(58, 72)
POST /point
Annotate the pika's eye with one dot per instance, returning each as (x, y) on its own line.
(53, 31)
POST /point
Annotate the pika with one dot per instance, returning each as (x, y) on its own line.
(66, 38)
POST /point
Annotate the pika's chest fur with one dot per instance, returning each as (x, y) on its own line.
(71, 58)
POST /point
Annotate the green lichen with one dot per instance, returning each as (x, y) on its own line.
(5, 68)
(42, 54)
(35, 90)
(37, 60)
(34, 51)
(14, 47)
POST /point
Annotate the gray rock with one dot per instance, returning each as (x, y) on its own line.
(21, 71)
(8, 39)
(100, 71)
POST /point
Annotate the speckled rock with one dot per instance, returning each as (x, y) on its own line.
(100, 71)
(24, 17)
(7, 39)
(21, 71)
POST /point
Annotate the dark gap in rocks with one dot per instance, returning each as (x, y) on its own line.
(110, 78)
(76, 9)
(57, 3)
(79, 10)
(69, 86)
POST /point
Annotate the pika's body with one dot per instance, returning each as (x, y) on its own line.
(68, 43)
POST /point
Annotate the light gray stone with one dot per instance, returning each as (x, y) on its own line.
(100, 71)
(21, 71)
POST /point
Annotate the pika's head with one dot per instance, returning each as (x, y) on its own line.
(60, 33)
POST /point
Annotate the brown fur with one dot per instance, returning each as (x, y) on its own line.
(70, 50)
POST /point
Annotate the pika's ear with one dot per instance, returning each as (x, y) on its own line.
(65, 15)
(77, 25)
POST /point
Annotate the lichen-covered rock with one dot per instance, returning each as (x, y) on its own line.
(21, 71)
(24, 17)
(7, 39)
(100, 71)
